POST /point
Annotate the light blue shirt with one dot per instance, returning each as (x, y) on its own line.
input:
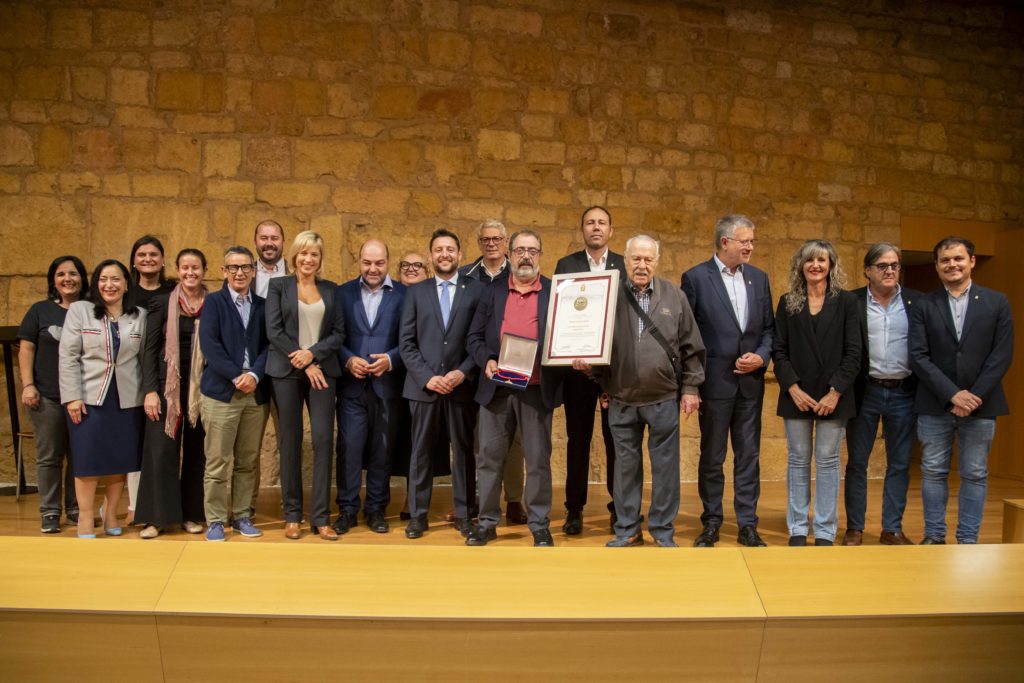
(451, 290)
(736, 288)
(372, 297)
(888, 352)
(243, 304)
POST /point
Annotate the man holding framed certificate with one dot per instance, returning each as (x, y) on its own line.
(515, 392)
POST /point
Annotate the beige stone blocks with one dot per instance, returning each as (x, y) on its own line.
(500, 145)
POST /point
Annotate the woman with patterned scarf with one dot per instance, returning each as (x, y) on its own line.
(173, 460)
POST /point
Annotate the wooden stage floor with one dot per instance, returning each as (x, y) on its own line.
(380, 607)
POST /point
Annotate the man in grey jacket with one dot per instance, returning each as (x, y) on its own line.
(644, 388)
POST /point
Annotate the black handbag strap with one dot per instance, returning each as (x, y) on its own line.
(649, 325)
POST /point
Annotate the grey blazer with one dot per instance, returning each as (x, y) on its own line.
(283, 327)
(85, 361)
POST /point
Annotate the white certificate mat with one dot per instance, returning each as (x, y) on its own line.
(581, 316)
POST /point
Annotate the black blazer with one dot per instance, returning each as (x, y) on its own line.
(577, 262)
(428, 348)
(154, 366)
(977, 362)
(818, 356)
(283, 327)
(720, 329)
(910, 298)
(484, 340)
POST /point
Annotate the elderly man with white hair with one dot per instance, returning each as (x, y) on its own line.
(657, 367)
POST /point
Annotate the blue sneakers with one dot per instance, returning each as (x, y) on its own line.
(215, 532)
(245, 527)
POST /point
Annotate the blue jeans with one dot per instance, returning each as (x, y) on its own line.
(974, 437)
(802, 441)
(895, 409)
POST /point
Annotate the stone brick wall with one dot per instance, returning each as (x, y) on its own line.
(193, 120)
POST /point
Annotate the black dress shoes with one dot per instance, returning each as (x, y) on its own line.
(542, 539)
(708, 537)
(823, 542)
(749, 537)
(344, 522)
(797, 541)
(377, 523)
(416, 527)
(928, 540)
(573, 523)
(463, 525)
(480, 536)
(515, 513)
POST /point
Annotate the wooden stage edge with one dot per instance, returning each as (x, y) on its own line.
(179, 610)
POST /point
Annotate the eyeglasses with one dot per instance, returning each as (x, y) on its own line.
(523, 251)
(411, 265)
(882, 267)
(742, 243)
(491, 240)
(245, 268)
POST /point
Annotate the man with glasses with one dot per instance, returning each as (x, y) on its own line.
(884, 391)
(492, 265)
(732, 303)
(234, 394)
(516, 305)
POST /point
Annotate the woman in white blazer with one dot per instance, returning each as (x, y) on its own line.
(101, 388)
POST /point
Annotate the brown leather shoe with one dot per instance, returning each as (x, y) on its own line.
(450, 515)
(291, 530)
(853, 537)
(515, 514)
(894, 538)
(327, 533)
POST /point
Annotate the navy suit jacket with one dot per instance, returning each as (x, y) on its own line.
(283, 327)
(428, 348)
(484, 340)
(577, 262)
(977, 362)
(818, 354)
(720, 329)
(911, 298)
(362, 339)
(224, 342)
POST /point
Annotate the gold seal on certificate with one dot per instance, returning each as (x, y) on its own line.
(581, 314)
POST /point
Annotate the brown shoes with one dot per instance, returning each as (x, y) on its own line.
(894, 538)
(515, 514)
(853, 537)
(291, 530)
(327, 533)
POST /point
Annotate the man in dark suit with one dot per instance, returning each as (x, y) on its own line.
(581, 393)
(884, 391)
(516, 306)
(732, 302)
(440, 379)
(233, 339)
(370, 390)
(961, 346)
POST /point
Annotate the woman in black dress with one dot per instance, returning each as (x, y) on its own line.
(173, 460)
(39, 333)
(100, 363)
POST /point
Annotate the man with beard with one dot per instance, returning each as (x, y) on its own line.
(269, 241)
(370, 391)
(648, 387)
(518, 306)
(581, 393)
(961, 346)
(440, 379)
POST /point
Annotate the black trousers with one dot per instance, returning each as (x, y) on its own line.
(171, 483)
(581, 396)
(429, 419)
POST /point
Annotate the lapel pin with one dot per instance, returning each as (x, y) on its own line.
(976, 297)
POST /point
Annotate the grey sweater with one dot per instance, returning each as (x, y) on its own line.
(641, 372)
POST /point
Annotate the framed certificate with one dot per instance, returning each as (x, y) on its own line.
(581, 316)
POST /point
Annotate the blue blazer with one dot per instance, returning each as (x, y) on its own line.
(484, 340)
(362, 339)
(224, 341)
(282, 312)
(977, 362)
(429, 348)
(720, 330)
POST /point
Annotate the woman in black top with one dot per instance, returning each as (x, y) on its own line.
(37, 359)
(173, 459)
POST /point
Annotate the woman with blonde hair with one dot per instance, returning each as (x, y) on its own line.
(306, 328)
(817, 357)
